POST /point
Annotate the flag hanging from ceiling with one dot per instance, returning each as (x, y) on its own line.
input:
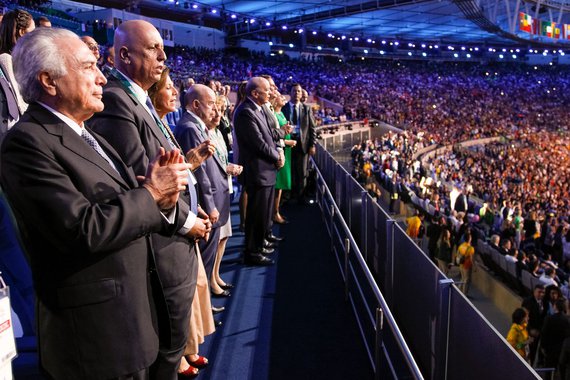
(525, 22)
(566, 31)
(549, 29)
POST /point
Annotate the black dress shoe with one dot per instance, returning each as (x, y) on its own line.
(269, 244)
(227, 286)
(273, 238)
(217, 310)
(225, 293)
(267, 251)
(257, 259)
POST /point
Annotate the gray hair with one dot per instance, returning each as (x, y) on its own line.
(36, 52)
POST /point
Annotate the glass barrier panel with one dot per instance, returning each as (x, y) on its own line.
(415, 297)
(355, 204)
(473, 340)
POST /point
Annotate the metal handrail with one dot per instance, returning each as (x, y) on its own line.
(412, 365)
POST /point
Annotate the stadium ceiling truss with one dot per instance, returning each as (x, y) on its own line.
(458, 21)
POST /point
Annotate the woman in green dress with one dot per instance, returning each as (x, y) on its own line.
(283, 181)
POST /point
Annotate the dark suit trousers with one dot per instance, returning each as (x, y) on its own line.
(173, 341)
(299, 168)
(208, 249)
(259, 216)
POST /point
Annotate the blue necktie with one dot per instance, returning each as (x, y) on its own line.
(89, 139)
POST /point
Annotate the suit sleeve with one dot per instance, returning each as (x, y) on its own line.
(248, 128)
(41, 187)
(312, 128)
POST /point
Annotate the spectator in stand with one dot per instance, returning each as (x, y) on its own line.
(518, 335)
(163, 95)
(443, 251)
(547, 277)
(43, 22)
(283, 181)
(536, 311)
(93, 46)
(14, 25)
(212, 178)
(512, 256)
(433, 233)
(414, 224)
(556, 328)
(466, 252)
(217, 284)
(258, 149)
(302, 121)
(130, 123)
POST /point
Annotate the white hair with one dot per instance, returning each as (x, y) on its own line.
(36, 52)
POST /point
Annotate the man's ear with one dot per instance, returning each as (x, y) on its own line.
(47, 83)
(124, 54)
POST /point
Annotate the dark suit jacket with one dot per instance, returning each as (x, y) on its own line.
(257, 148)
(86, 231)
(133, 132)
(211, 175)
(535, 317)
(308, 133)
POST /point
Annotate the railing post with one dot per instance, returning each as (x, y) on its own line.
(363, 226)
(440, 361)
(347, 200)
(346, 277)
(389, 270)
(379, 346)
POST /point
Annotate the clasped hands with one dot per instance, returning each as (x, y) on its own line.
(199, 154)
(166, 177)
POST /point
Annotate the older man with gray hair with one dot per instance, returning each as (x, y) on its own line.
(85, 220)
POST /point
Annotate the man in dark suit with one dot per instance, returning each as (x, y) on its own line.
(129, 122)
(262, 158)
(85, 221)
(301, 118)
(190, 132)
(534, 305)
(555, 329)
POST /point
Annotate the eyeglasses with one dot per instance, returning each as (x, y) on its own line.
(93, 47)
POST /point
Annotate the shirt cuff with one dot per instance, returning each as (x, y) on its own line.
(188, 224)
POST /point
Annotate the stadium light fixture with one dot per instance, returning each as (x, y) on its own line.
(233, 17)
(267, 23)
(284, 27)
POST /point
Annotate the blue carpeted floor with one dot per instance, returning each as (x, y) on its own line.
(288, 320)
